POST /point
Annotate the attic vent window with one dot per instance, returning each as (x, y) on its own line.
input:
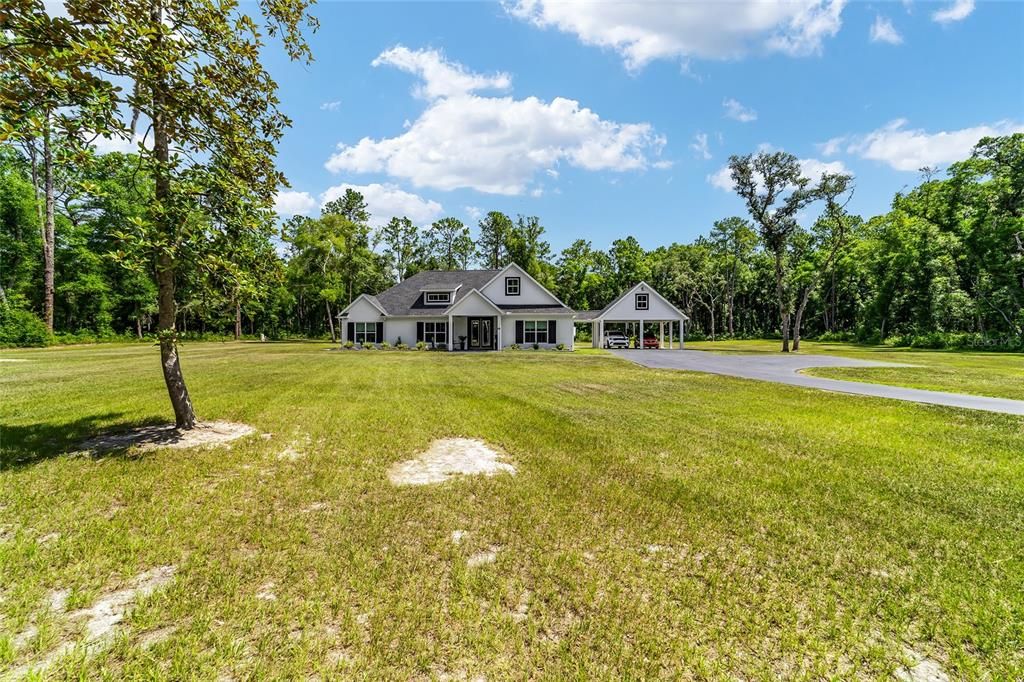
(439, 297)
(642, 301)
(511, 286)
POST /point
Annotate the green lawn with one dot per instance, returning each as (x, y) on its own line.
(661, 524)
(999, 375)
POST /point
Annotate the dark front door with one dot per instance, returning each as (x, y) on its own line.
(481, 333)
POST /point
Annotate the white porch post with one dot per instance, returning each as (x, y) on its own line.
(682, 333)
(451, 332)
(661, 334)
(640, 334)
(498, 338)
(600, 333)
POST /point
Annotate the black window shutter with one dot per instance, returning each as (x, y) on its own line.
(419, 332)
(552, 325)
(519, 331)
(352, 332)
(380, 332)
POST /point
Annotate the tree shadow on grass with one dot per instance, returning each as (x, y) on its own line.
(23, 445)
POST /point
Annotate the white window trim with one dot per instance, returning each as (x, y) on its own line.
(647, 301)
(433, 330)
(369, 329)
(440, 297)
(535, 331)
(518, 284)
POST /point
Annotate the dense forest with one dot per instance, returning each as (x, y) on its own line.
(945, 266)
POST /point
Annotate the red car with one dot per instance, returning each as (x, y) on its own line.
(651, 342)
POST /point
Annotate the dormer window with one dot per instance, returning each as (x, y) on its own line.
(511, 286)
(437, 297)
(642, 301)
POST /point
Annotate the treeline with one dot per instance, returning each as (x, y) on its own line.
(944, 267)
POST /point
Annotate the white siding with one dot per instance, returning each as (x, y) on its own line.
(474, 305)
(362, 310)
(626, 308)
(564, 330)
(530, 293)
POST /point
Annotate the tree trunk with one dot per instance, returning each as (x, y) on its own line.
(780, 292)
(330, 320)
(711, 312)
(184, 415)
(238, 319)
(48, 228)
(138, 325)
(799, 318)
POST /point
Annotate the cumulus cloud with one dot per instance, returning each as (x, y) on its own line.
(882, 31)
(700, 146)
(495, 145)
(958, 11)
(441, 78)
(386, 201)
(738, 112)
(289, 203)
(908, 149)
(104, 145)
(331, 106)
(642, 32)
(474, 212)
(809, 168)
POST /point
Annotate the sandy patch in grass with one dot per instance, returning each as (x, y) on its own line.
(446, 458)
(205, 434)
(102, 618)
(922, 669)
(488, 556)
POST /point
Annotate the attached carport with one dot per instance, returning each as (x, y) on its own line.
(632, 312)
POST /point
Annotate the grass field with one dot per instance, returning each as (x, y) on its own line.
(999, 375)
(660, 525)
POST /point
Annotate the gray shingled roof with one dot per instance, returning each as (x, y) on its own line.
(405, 298)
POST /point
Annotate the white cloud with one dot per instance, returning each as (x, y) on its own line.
(831, 147)
(289, 203)
(700, 146)
(882, 31)
(552, 173)
(958, 11)
(496, 144)
(441, 78)
(645, 31)
(809, 168)
(331, 106)
(909, 150)
(474, 212)
(104, 145)
(738, 112)
(387, 201)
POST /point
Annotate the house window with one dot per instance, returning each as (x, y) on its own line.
(535, 331)
(511, 286)
(439, 297)
(435, 333)
(641, 301)
(366, 332)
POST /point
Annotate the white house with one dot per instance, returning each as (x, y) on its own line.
(635, 310)
(456, 309)
(485, 310)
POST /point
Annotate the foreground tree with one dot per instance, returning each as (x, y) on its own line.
(774, 190)
(210, 111)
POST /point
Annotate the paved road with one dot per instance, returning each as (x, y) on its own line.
(784, 369)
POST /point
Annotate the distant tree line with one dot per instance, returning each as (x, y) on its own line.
(945, 266)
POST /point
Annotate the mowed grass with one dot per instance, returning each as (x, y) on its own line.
(661, 524)
(998, 375)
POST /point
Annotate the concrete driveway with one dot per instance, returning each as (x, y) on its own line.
(784, 369)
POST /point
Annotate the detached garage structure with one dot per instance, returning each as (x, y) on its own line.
(636, 309)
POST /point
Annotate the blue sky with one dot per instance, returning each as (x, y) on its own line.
(611, 119)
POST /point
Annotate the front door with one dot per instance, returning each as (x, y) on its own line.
(481, 333)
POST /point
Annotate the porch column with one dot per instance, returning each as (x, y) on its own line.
(661, 334)
(451, 332)
(497, 339)
(640, 334)
(682, 334)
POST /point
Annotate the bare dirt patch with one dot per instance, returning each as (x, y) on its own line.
(102, 618)
(921, 669)
(146, 438)
(488, 556)
(449, 457)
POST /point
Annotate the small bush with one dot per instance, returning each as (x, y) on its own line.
(349, 345)
(368, 346)
(421, 345)
(514, 346)
(560, 346)
(384, 345)
(536, 346)
(837, 336)
(400, 345)
(21, 328)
